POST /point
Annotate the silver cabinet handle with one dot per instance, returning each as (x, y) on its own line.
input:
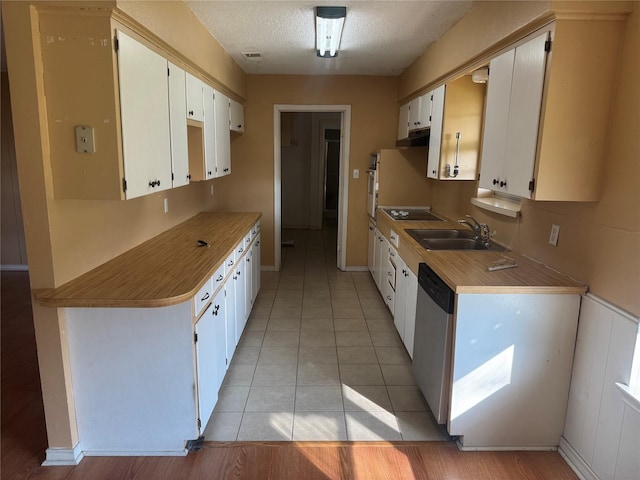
(219, 279)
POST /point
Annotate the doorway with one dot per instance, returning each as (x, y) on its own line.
(331, 176)
(285, 139)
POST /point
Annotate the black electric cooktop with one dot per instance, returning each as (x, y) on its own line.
(415, 214)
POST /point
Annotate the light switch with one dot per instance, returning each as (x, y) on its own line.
(356, 173)
(85, 142)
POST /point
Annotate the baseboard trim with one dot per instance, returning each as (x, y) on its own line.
(268, 268)
(575, 461)
(136, 453)
(504, 448)
(356, 268)
(14, 268)
(63, 456)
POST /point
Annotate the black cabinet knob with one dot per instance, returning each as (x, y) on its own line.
(191, 113)
(495, 181)
(209, 172)
(503, 184)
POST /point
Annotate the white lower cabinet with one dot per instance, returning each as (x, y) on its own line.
(511, 368)
(248, 282)
(211, 357)
(240, 293)
(371, 251)
(404, 314)
(381, 260)
(255, 269)
(134, 369)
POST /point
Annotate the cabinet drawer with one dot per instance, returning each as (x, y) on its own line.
(255, 230)
(239, 250)
(229, 263)
(217, 278)
(203, 297)
(389, 299)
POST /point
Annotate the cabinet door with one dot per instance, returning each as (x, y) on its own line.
(222, 135)
(177, 107)
(236, 116)
(403, 122)
(255, 274)
(371, 250)
(420, 112)
(240, 292)
(206, 365)
(219, 313)
(435, 136)
(496, 123)
(383, 261)
(230, 316)
(524, 115)
(209, 133)
(195, 105)
(410, 296)
(144, 113)
(399, 313)
(248, 282)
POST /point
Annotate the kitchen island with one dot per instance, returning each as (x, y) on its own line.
(152, 331)
(512, 336)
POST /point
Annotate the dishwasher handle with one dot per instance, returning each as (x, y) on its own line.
(436, 288)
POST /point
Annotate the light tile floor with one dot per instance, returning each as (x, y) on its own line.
(320, 359)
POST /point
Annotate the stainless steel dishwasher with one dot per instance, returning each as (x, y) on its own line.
(433, 341)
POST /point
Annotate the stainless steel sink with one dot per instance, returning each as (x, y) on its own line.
(451, 240)
(422, 233)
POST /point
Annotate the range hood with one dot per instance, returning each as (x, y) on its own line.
(416, 138)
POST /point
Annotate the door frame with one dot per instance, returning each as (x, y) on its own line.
(343, 193)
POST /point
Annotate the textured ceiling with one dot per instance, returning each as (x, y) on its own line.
(379, 37)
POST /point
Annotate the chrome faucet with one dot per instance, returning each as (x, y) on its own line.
(480, 230)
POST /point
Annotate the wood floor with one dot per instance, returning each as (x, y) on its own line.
(24, 438)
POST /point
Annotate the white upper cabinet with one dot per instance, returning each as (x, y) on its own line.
(548, 111)
(236, 115)
(403, 122)
(435, 136)
(222, 135)
(177, 107)
(456, 126)
(195, 102)
(420, 112)
(514, 99)
(209, 135)
(144, 113)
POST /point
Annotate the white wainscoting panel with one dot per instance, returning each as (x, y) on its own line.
(604, 355)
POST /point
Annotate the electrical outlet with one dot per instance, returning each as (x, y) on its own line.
(166, 205)
(211, 189)
(553, 236)
(356, 173)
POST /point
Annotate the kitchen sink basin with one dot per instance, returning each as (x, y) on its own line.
(420, 234)
(451, 240)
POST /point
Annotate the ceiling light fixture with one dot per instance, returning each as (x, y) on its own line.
(329, 23)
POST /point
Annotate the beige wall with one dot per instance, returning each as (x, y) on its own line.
(374, 119)
(12, 241)
(66, 238)
(599, 242)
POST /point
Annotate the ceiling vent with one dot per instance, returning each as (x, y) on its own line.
(252, 55)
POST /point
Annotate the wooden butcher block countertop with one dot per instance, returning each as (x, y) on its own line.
(165, 270)
(466, 271)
